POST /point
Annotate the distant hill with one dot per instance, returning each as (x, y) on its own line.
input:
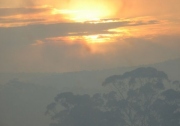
(87, 80)
(171, 67)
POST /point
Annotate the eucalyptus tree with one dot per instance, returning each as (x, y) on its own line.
(137, 93)
(142, 97)
(69, 109)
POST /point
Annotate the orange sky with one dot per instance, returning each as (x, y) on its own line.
(71, 35)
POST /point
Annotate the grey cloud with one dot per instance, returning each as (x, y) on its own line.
(13, 38)
(16, 11)
(12, 20)
(41, 31)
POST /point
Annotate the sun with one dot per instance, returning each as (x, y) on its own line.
(90, 11)
(80, 15)
(86, 11)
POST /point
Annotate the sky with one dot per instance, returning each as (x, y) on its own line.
(75, 35)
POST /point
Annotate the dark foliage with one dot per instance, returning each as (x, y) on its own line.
(142, 97)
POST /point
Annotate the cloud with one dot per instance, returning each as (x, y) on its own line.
(121, 8)
(21, 11)
(15, 38)
(10, 17)
(14, 21)
(148, 8)
(41, 31)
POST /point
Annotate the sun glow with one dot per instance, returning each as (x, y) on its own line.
(82, 11)
(88, 39)
(90, 11)
(101, 38)
(83, 15)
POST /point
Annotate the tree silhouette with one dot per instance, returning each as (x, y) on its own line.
(142, 97)
(138, 92)
(77, 110)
